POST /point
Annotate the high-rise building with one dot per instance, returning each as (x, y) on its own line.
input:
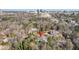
(0, 12)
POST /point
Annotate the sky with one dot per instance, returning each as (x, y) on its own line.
(39, 4)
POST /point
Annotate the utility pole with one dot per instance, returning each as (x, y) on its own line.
(1, 15)
(38, 12)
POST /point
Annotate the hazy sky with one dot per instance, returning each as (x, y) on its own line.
(43, 4)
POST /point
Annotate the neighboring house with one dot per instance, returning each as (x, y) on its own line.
(45, 15)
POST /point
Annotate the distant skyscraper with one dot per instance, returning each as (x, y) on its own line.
(0, 12)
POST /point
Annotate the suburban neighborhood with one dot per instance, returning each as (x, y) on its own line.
(39, 29)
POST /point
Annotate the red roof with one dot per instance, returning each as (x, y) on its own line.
(40, 33)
